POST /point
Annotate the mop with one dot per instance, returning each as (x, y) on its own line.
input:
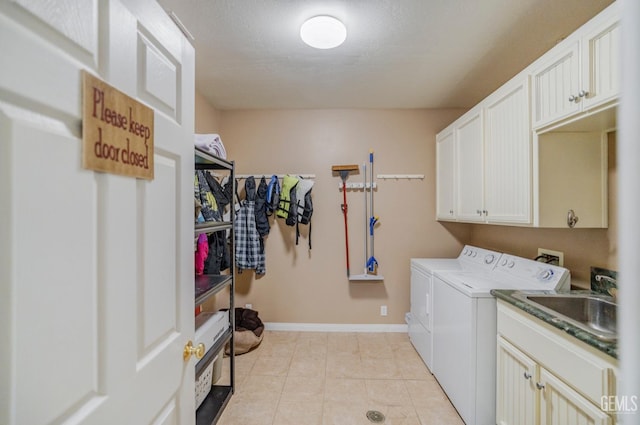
(372, 263)
(344, 170)
(365, 275)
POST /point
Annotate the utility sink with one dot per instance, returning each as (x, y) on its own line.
(595, 314)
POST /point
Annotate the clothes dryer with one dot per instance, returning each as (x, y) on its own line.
(422, 269)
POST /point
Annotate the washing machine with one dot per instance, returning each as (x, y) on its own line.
(464, 328)
(419, 319)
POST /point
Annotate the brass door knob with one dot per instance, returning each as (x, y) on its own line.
(190, 350)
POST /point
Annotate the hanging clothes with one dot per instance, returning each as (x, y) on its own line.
(221, 194)
(218, 259)
(204, 194)
(304, 206)
(273, 195)
(288, 207)
(249, 250)
(202, 251)
(212, 198)
(262, 221)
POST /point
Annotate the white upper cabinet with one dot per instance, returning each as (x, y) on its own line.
(469, 165)
(556, 84)
(579, 75)
(571, 179)
(445, 178)
(484, 160)
(601, 61)
(507, 162)
(534, 152)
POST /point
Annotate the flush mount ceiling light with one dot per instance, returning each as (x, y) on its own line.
(323, 32)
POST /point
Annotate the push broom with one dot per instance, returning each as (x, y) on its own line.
(344, 171)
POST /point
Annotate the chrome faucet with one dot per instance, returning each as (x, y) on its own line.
(601, 277)
(611, 291)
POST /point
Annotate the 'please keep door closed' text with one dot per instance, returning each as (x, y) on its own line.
(117, 131)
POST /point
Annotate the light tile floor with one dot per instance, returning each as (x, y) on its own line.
(315, 378)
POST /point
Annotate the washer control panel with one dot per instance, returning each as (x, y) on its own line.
(479, 256)
(528, 271)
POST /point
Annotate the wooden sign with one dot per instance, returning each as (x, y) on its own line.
(117, 131)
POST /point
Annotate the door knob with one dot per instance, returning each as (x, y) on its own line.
(190, 350)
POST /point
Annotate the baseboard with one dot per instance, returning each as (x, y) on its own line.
(334, 327)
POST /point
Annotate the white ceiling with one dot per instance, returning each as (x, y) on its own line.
(398, 53)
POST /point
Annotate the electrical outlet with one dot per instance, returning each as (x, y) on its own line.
(383, 310)
(249, 306)
(551, 257)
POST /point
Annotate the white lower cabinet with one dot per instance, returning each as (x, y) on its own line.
(561, 405)
(516, 403)
(547, 378)
(528, 394)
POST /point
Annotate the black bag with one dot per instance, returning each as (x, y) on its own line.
(305, 209)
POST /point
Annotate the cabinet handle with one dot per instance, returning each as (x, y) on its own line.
(479, 212)
(451, 212)
(572, 98)
(485, 212)
(539, 386)
(583, 93)
(572, 219)
(527, 375)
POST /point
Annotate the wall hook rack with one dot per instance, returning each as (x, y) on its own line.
(401, 176)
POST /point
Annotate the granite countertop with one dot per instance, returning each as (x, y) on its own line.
(607, 347)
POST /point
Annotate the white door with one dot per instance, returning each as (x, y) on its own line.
(96, 280)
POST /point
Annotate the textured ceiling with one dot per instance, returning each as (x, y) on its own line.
(398, 53)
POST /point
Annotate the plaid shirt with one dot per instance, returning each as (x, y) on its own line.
(249, 250)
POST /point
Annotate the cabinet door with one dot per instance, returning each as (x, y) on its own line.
(421, 297)
(561, 405)
(601, 64)
(556, 86)
(421, 309)
(515, 386)
(445, 177)
(572, 176)
(508, 155)
(469, 166)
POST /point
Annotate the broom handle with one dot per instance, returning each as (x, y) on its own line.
(366, 218)
(371, 199)
(346, 228)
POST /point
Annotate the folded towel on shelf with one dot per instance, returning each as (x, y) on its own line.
(211, 143)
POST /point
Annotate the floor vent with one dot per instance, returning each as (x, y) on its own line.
(375, 416)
